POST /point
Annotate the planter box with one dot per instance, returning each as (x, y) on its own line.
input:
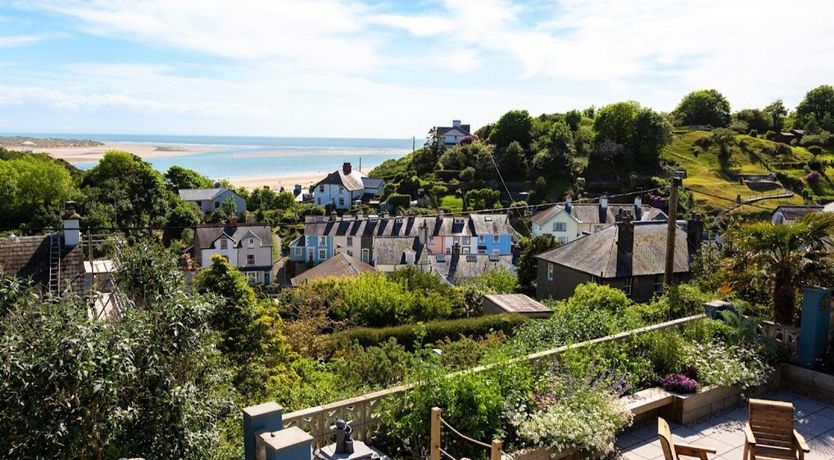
(691, 407)
(812, 383)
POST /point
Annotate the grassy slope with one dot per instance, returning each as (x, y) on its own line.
(707, 173)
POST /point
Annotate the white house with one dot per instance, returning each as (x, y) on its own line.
(246, 247)
(568, 221)
(210, 199)
(341, 188)
(789, 214)
(449, 135)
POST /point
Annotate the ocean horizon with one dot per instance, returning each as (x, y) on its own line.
(230, 157)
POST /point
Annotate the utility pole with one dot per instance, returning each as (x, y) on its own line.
(413, 143)
(671, 230)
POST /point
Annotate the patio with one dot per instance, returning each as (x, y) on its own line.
(724, 431)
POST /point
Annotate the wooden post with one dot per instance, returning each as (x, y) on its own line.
(495, 453)
(671, 231)
(435, 433)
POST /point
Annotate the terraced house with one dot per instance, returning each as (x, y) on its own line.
(456, 247)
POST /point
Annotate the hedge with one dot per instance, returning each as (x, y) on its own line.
(430, 332)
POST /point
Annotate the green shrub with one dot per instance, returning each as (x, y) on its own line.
(599, 297)
(720, 364)
(468, 174)
(399, 200)
(410, 334)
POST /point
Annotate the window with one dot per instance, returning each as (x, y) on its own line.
(318, 200)
(481, 251)
(467, 240)
(563, 239)
(299, 251)
(409, 258)
(322, 241)
(496, 252)
(559, 227)
(224, 244)
(627, 286)
(467, 249)
(496, 238)
(658, 284)
(266, 278)
(250, 259)
(550, 271)
(366, 255)
(321, 189)
(481, 239)
(448, 250)
(251, 243)
(322, 253)
(199, 204)
(598, 227)
(349, 241)
(341, 201)
(216, 204)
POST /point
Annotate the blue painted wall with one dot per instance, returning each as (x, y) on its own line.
(504, 244)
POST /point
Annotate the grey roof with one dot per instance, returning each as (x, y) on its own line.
(596, 254)
(590, 213)
(339, 265)
(491, 224)
(797, 212)
(352, 181)
(457, 269)
(391, 250)
(201, 194)
(28, 257)
(517, 303)
(442, 130)
(372, 182)
(206, 235)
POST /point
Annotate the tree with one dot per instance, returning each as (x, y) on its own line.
(527, 264)
(760, 120)
(615, 122)
(511, 161)
(787, 257)
(573, 119)
(182, 216)
(724, 138)
(704, 107)
(32, 183)
(777, 112)
(817, 103)
(464, 155)
(652, 132)
(134, 189)
(515, 125)
(184, 178)
(583, 141)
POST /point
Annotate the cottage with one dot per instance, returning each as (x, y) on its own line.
(342, 188)
(628, 256)
(55, 263)
(515, 303)
(568, 221)
(448, 135)
(341, 265)
(211, 199)
(789, 214)
(248, 247)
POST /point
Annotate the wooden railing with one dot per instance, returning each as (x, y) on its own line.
(360, 412)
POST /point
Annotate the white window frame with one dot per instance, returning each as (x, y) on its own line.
(481, 239)
(366, 256)
(466, 250)
(658, 284)
(627, 286)
(322, 241)
(341, 200)
(224, 244)
(250, 259)
(350, 241)
(299, 251)
(563, 240)
(321, 188)
(322, 253)
(549, 274)
(251, 243)
(560, 227)
(467, 240)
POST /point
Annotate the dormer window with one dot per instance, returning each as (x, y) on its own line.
(251, 243)
(224, 244)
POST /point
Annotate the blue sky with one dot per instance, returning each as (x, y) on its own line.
(388, 68)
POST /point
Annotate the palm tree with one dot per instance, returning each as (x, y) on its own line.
(787, 257)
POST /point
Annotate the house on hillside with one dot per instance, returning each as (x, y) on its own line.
(628, 255)
(55, 262)
(211, 199)
(340, 265)
(495, 304)
(788, 214)
(786, 137)
(448, 135)
(248, 247)
(568, 221)
(342, 188)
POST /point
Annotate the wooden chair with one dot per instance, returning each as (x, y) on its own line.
(769, 432)
(672, 451)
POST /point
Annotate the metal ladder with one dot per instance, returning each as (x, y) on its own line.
(54, 285)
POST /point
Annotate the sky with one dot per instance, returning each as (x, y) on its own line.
(390, 69)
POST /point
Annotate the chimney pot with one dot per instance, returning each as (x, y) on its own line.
(233, 221)
(347, 168)
(455, 123)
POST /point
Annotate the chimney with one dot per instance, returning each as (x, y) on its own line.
(638, 207)
(568, 204)
(456, 249)
(72, 229)
(603, 209)
(695, 231)
(333, 216)
(455, 123)
(297, 189)
(423, 233)
(346, 168)
(233, 221)
(625, 244)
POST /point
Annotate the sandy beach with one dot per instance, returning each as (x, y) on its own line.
(276, 182)
(87, 154)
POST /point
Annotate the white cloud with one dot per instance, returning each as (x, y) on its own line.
(7, 41)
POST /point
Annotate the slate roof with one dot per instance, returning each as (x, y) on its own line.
(28, 257)
(517, 303)
(491, 224)
(596, 254)
(793, 213)
(339, 265)
(206, 235)
(392, 250)
(372, 182)
(200, 194)
(409, 226)
(468, 266)
(442, 130)
(590, 213)
(352, 181)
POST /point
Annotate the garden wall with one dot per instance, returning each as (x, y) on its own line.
(815, 384)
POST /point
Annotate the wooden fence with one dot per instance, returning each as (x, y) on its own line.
(360, 411)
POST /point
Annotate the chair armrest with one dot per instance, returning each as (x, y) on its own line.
(692, 450)
(748, 435)
(799, 441)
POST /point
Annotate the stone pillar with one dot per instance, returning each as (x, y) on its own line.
(289, 444)
(258, 419)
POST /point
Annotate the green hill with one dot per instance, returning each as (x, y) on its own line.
(717, 180)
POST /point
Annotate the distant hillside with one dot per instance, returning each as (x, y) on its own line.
(45, 142)
(718, 179)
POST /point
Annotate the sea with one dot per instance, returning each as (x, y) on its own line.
(245, 156)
